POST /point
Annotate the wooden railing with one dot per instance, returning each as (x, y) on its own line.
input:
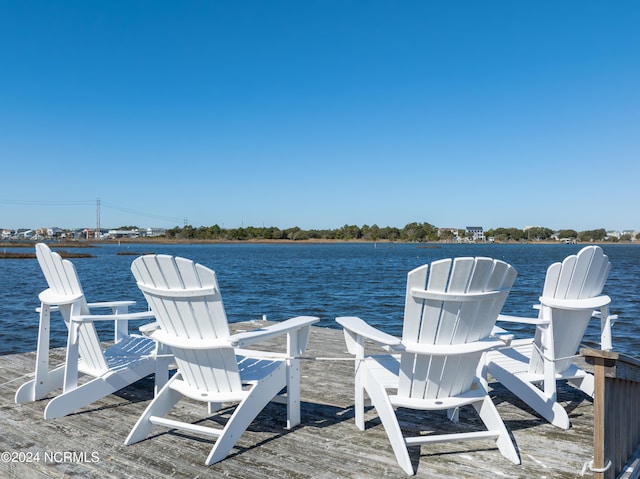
(616, 414)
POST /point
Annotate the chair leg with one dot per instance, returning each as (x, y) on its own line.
(162, 364)
(159, 406)
(549, 409)
(380, 400)
(585, 383)
(493, 422)
(261, 394)
(83, 395)
(453, 414)
(95, 389)
(30, 392)
(293, 392)
(359, 402)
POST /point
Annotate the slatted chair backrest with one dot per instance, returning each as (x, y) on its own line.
(63, 281)
(186, 300)
(475, 290)
(580, 276)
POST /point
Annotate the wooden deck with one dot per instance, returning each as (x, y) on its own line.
(89, 444)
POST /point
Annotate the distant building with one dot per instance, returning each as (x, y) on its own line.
(475, 233)
(134, 233)
(54, 232)
(152, 232)
(25, 234)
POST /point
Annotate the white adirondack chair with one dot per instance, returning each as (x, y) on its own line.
(211, 368)
(130, 358)
(448, 317)
(570, 297)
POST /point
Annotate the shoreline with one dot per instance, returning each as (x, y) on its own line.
(158, 240)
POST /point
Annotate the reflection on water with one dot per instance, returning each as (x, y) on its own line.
(325, 280)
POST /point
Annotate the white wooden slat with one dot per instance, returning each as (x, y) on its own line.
(438, 280)
(460, 275)
(466, 367)
(205, 370)
(565, 277)
(424, 368)
(188, 274)
(468, 314)
(581, 268)
(217, 325)
(503, 277)
(194, 428)
(439, 277)
(459, 279)
(604, 273)
(550, 286)
(482, 272)
(405, 375)
(414, 307)
(596, 276)
(152, 272)
(51, 265)
(464, 436)
(413, 375)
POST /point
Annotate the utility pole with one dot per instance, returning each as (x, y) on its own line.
(97, 235)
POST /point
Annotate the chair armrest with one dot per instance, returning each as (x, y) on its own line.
(247, 338)
(87, 318)
(167, 339)
(236, 340)
(361, 328)
(575, 304)
(50, 297)
(598, 314)
(453, 349)
(356, 330)
(147, 329)
(521, 320)
(110, 304)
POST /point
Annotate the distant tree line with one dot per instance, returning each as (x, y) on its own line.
(546, 234)
(419, 232)
(412, 232)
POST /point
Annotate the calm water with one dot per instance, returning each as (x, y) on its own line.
(325, 280)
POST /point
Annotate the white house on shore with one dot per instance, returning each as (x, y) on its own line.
(475, 233)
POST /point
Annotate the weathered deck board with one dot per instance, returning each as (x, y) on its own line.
(326, 445)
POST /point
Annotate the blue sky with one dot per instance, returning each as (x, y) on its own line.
(320, 113)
